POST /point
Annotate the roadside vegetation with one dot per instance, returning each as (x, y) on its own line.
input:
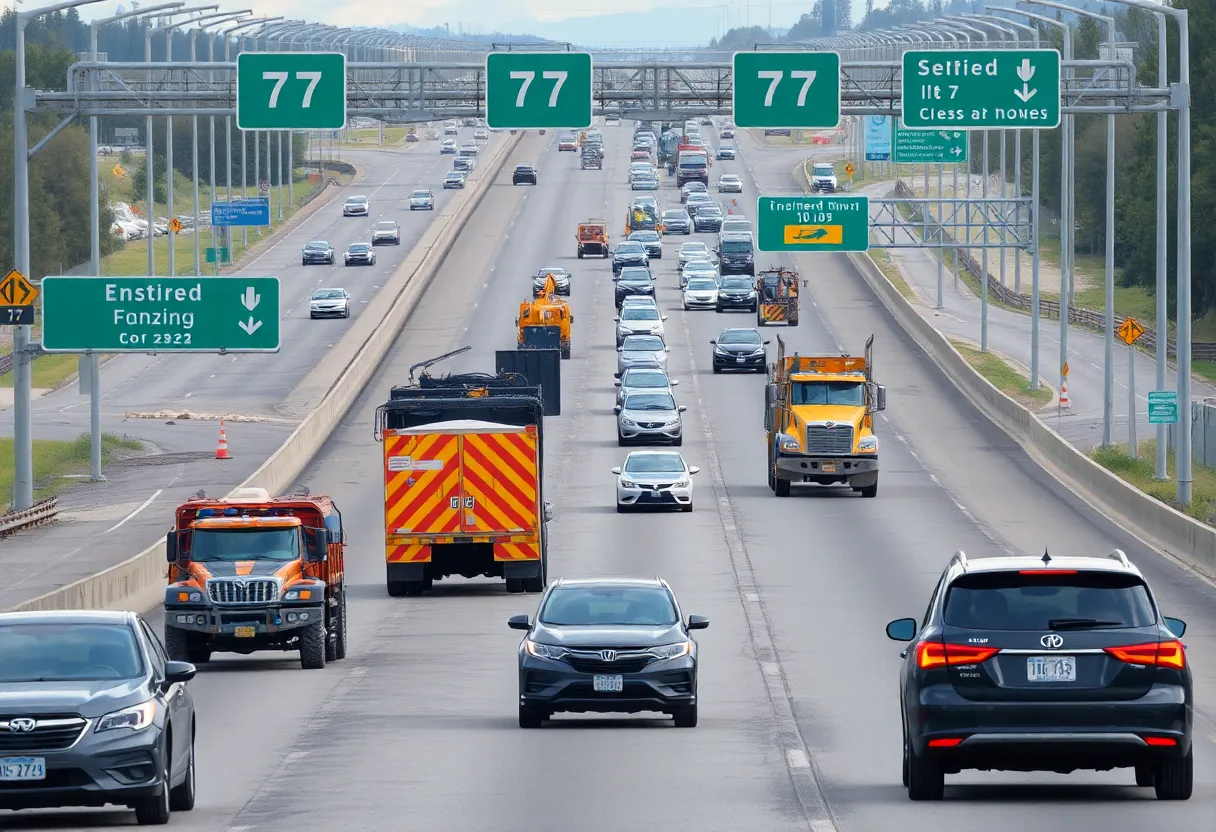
(1139, 473)
(57, 463)
(1007, 378)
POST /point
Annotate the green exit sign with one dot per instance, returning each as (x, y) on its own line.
(290, 91)
(929, 146)
(160, 314)
(786, 90)
(813, 223)
(534, 90)
(982, 88)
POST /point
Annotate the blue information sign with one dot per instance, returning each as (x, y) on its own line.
(252, 211)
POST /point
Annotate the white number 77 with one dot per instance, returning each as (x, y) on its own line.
(774, 76)
(280, 78)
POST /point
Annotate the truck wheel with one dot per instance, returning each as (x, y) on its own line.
(580, 254)
(184, 646)
(312, 646)
(335, 642)
(869, 490)
(342, 622)
(515, 585)
(396, 589)
(566, 352)
(414, 588)
(781, 487)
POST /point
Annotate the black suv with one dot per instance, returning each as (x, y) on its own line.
(634, 280)
(1044, 664)
(736, 254)
(524, 175)
(629, 253)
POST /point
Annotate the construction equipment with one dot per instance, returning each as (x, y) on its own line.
(819, 420)
(591, 156)
(545, 319)
(592, 238)
(777, 291)
(463, 481)
(252, 572)
(641, 216)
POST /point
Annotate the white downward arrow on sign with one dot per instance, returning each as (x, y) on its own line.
(1025, 71)
(250, 299)
(1025, 93)
(251, 327)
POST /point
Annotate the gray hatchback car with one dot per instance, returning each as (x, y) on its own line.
(641, 351)
(93, 713)
(648, 418)
(643, 380)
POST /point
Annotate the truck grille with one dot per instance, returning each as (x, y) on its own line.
(51, 732)
(243, 590)
(837, 439)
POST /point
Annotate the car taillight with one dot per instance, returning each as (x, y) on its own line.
(930, 654)
(1160, 653)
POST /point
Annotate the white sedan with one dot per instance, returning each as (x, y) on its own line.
(730, 184)
(654, 478)
(701, 293)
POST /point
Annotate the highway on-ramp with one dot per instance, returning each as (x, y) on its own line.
(799, 725)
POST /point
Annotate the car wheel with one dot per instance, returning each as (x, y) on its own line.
(926, 780)
(530, 717)
(312, 316)
(346, 314)
(621, 441)
(1144, 775)
(621, 508)
(686, 717)
(676, 443)
(1174, 779)
(182, 797)
(154, 810)
(717, 369)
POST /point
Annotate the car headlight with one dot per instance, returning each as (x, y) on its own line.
(136, 718)
(671, 651)
(720, 350)
(189, 596)
(867, 443)
(628, 484)
(629, 423)
(544, 651)
(302, 593)
(682, 484)
(788, 443)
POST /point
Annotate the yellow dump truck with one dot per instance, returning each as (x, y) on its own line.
(545, 321)
(819, 420)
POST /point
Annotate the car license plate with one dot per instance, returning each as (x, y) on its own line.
(608, 684)
(245, 632)
(740, 359)
(829, 467)
(1051, 669)
(25, 768)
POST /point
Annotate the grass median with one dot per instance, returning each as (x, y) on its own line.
(57, 463)
(1004, 376)
(1139, 473)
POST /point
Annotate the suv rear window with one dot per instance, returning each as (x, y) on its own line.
(1048, 601)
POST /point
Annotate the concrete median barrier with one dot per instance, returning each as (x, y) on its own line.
(1156, 524)
(138, 582)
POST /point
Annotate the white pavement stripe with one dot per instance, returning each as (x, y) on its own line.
(142, 506)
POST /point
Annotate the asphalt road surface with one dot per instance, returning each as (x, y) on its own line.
(799, 728)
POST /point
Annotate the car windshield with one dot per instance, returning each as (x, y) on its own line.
(739, 336)
(523, 168)
(640, 313)
(708, 208)
(694, 248)
(328, 294)
(358, 247)
(608, 606)
(736, 246)
(1048, 600)
(824, 170)
(694, 187)
(634, 379)
(357, 200)
(699, 196)
(423, 194)
(643, 343)
(317, 246)
(48, 652)
(692, 161)
(553, 270)
(245, 544)
(650, 401)
(700, 266)
(852, 393)
(455, 175)
(644, 236)
(654, 464)
(729, 180)
(636, 278)
(736, 283)
(630, 247)
(675, 215)
(701, 284)
(386, 226)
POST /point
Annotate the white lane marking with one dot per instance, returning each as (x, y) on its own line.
(142, 506)
(796, 758)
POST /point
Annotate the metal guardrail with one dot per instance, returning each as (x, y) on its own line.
(1092, 319)
(36, 515)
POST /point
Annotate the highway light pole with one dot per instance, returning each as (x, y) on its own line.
(1108, 372)
(23, 439)
(94, 361)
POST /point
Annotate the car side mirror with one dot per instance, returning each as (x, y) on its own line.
(697, 622)
(674, 382)
(617, 470)
(171, 546)
(714, 342)
(617, 409)
(882, 397)
(682, 408)
(616, 383)
(766, 343)
(318, 546)
(666, 349)
(178, 672)
(902, 629)
(1176, 626)
(661, 317)
(694, 469)
(619, 349)
(519, 622)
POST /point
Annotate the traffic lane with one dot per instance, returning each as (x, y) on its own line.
(460, 680)
(250, 708)
(889, 554)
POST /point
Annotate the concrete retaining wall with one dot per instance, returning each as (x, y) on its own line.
(138, 583)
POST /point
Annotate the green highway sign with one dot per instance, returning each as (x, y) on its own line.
(160, 314)
(929, 146)
(218, 254)
(534, 90)
(1163, 407)
(980, 88)
(290, 90)
(786, 89)
(813, 223)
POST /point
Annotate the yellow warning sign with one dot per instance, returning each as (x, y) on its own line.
(1130, 331)
(15, 290)
(849, 168)
(175, 225)
(825, 235)
(119, 171)
(1064, 370)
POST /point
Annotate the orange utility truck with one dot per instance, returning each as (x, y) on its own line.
(251, 572)
(544, 322)
(463, 481)
(592, 239)
(777, 290)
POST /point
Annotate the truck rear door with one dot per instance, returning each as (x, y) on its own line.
(421, 482)
(499, 480)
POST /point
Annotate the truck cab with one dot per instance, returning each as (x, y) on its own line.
(819, 420)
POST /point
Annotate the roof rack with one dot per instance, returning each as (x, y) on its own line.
(960, 557)
(1119, 555)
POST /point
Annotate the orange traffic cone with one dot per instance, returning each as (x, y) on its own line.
(221, 450)
(1065, 404)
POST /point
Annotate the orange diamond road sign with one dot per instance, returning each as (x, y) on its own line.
(175, 225)
(1064, 370)
(119, 171)
(1130, 331)
(849, 168)
(15, 290)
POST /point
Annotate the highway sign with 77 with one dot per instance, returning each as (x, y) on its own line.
(160, 314)
(786, 89)
(979, 88)
(290, 90)
(533, 90)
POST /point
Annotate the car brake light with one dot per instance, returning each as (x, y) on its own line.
(1047, 571)
(930, 654)
(1160, 741)
(1162, 654)
(946, 742)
